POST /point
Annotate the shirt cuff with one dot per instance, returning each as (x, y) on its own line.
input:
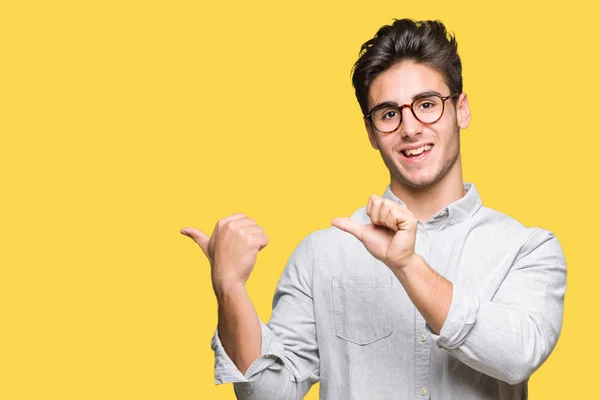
(225, 369)
(460, 320)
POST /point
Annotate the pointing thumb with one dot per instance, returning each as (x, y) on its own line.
(199, 237)
(348, 225)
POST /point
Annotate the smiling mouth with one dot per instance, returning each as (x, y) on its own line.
(412, 153)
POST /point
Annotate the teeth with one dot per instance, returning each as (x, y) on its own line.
(415, 152)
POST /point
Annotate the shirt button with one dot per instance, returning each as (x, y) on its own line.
(423, 338)
(451, 222)
(423, 391)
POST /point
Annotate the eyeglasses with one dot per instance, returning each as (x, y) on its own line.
(428, 109)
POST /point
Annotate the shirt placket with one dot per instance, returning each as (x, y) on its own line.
(421, 339)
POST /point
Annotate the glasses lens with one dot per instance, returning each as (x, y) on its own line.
(428, 109)
(386, 119)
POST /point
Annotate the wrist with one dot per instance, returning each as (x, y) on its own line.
(227, 287)
(406, 261)
(407, 264)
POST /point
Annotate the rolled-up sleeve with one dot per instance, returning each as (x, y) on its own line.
(289, 362)
(225, 369)
(510, 336)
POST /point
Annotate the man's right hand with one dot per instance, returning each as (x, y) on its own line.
(231, 249)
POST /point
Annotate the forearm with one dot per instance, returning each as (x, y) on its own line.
(239, 326)
(430, 292)
(504, 343)
(496, 339)
(507, 338)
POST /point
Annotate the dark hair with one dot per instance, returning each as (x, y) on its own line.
(424, 42)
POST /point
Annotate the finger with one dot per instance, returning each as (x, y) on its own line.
(262, 240)
(199, 237)
(376, 202)
(386, 207)
(394, 218)
(253, 230)
(400, 218)
(243, 223)
(348, 225)
(257, 236)
(232, 217)
(370, 204)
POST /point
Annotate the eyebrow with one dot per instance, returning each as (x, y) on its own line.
(415, 97)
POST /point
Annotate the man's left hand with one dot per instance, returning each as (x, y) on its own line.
(391, 235)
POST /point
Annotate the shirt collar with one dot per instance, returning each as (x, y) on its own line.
(457, 211)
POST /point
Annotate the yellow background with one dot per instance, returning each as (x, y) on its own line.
(123, 121)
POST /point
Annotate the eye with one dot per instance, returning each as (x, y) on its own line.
(428, 105)
(390, 114)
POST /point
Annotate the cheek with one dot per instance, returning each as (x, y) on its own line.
(448, 134)
(386, 144)
(447, 144)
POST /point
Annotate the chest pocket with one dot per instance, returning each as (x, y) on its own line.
(362, 308)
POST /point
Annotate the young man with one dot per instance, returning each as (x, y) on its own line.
(422, 294)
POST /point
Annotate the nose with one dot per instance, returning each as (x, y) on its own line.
(410, 126)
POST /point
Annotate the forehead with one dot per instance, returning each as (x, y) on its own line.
(403, 81)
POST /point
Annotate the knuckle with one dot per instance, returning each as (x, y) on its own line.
(231, 226)
(226, 225)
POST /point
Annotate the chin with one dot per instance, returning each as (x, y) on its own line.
(424, 177)
(418, 182)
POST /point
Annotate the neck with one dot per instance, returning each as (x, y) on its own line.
(426, 202)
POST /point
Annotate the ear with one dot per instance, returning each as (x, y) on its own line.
(463, 113)
(372, 134)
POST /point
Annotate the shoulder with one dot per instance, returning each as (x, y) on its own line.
(506, 229)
